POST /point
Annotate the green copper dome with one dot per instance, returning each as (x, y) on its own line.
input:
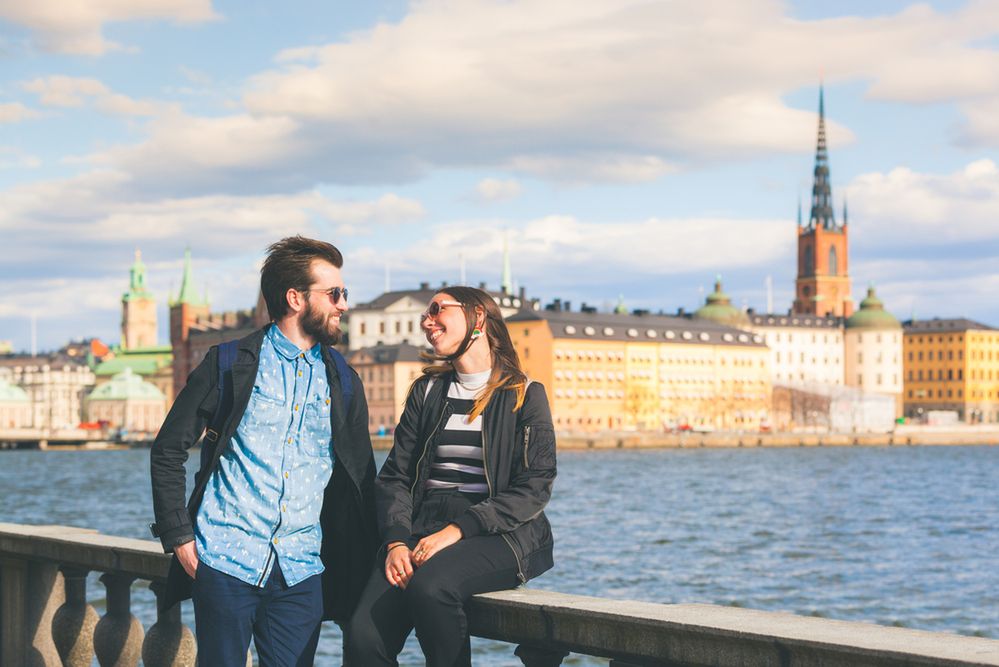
(10, 393)
(872, 314)
(127, 386)
(718, 308)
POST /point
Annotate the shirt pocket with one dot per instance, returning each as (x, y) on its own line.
(316, 431)
(266, 409)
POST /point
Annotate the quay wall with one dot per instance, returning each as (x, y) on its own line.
(725, 439)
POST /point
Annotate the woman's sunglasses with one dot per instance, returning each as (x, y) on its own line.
(435, 307)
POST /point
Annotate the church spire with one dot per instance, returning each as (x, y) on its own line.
(137, 288)
(187, 290)
(506, 283)
(822, 211)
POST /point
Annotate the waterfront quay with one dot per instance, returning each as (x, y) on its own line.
(46, 619)
(903, 437)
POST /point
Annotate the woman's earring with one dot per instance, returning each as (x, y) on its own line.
(476, 333)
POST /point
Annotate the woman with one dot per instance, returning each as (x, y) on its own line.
(461, 495)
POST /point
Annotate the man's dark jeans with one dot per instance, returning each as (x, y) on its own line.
(282, 620)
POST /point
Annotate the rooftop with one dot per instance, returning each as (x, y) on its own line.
(632, 327)
(944, 325)
(388, 354)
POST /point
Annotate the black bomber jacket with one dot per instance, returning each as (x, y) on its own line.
(518, 457)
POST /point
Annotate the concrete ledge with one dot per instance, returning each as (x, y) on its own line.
(636, 633)
(85, 549)
(694, 634)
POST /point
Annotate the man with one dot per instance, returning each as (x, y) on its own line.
(279, 530)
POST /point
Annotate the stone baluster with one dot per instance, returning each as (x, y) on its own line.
(169, 643)
(74, 622)
(30, 593)
(118, 636)
(532, 656)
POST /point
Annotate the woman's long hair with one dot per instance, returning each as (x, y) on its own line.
(506, 373)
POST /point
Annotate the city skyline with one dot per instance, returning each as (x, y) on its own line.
(632, 148)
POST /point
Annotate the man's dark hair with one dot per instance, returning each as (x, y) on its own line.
(289, 266)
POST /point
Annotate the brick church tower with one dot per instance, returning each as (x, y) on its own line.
(184, 312)
(823, 283)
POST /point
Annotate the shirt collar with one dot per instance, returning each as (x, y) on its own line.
(289, 350)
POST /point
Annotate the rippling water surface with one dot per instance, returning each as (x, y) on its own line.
(897, 536)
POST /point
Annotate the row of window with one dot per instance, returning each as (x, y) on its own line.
(663, 393)
(703, 336)
(940, 375)
(410, 327)
(802, 358)
(939, 355)
(792, 338)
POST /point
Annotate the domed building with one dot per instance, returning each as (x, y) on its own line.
(15, 406)
(718, 308)
(128, 402)
(873, 349)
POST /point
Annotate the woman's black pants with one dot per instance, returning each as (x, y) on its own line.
(433, 603)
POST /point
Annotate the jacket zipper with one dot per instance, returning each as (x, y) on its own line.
(489, 483)
(527, 438)
(426, 446)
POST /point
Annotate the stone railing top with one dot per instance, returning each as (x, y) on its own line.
(86, 549)
(638, 632)
(702, 634)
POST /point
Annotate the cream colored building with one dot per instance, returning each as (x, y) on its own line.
(129, 403)
(55, 385)
(804, 349)
(873, 350)
(394, 317)
(644, 372)
(387, 372)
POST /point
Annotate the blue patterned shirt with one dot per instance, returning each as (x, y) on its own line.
(264, 499)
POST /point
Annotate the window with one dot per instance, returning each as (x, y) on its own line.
(364, 328)
(833, 264)
(398, 327)
(409, 326)
(381, 327)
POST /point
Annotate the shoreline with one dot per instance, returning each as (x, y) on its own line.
(732, 440)
(688, 440)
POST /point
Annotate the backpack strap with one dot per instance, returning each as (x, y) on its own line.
(346, 384)
(227, 357)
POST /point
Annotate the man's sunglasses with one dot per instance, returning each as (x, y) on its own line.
(335, 293)
(435, 307)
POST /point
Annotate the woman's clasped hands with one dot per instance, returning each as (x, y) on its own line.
(401, 562)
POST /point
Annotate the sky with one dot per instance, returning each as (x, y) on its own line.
(628, 149)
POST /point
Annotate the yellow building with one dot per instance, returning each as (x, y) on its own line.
(645, 372)
(387, 372)
(951, 364)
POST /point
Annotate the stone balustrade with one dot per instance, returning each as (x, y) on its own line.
(46, 620)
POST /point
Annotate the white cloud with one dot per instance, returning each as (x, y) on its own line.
(581, 91)
(495, 189)
(15, 158)
(14, 112)
(564, 252)
(71, 92)
(908, 208)
(75, 27)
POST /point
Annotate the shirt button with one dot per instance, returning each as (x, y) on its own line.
(289, 441)
(302, 355)
(275, 540)
(284, 508)
(327, 401)
(296, 407)
(299, 373)
(286, 474)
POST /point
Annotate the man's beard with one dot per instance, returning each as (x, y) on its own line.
(318, 326)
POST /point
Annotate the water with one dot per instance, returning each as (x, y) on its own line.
(896, 536)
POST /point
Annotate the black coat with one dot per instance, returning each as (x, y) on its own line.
(347, 517)
(518, 456)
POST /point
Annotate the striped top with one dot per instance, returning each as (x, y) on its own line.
(457, 461)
